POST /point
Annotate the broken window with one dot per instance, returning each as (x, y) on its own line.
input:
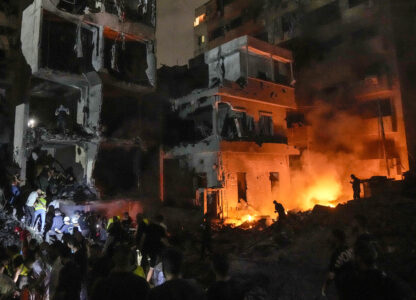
(258, 66)
(295, 119)
(135, 10)
(281, 72)
(266, 125)
(235, 124)
(66, 46)
(274, 180)
(202, 119)
(126, 60)
(242, 187)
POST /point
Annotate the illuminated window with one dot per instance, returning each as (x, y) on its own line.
(199, 20)
(201, 40)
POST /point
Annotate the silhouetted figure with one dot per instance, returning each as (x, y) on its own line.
(341, 268)
(356, 186)
(371, 282)
(175, 288)
(223, 288)
(61, 114)
(206, 237)
(279, 209)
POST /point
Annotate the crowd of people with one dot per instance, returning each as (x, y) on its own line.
(89, 257)
(84, 256)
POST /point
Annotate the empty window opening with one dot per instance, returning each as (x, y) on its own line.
(242, 187)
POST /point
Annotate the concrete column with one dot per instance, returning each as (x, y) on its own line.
(91, 151)
(161, 174)
(215, 117)
(19, 142)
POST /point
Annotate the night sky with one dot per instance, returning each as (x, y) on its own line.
(175, 30)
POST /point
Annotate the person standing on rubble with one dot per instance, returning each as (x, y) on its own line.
(15, 194)
(29, 207)
(40, 210)
(61, 114)
(279, 209)
(356, 186)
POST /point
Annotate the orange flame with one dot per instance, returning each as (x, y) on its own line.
(325, 191)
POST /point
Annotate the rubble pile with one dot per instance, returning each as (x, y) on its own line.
(294, 256)
(7, 225)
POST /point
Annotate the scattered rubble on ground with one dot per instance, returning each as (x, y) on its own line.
(291, 259)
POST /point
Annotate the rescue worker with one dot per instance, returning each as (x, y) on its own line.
(7, 286)
(356, 186)
(21, 277)
(29, 207)
(57, 223)
(61, 114)
(65, 228)
(40, 210)
(279, 209)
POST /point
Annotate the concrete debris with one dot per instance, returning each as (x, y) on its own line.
(7, 225)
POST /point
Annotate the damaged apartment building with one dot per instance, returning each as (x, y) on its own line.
(237, 153)
(352, 55)
(92, 62)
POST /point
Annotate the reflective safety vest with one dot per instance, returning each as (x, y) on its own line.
(111, 221)
(40, 204)
(25, 271)
(139, 272)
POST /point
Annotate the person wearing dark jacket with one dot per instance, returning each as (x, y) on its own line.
(175, 288)
(57, 223)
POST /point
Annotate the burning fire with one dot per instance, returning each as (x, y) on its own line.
(239, 221)
(325, 191)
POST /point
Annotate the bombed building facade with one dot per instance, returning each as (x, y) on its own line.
(352, 68)
(240, 156)
(92, 65)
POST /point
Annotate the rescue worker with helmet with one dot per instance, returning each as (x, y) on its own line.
(40, 210)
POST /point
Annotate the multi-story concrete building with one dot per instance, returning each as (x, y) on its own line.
(98, 62)
(349, 54)
(239, 158)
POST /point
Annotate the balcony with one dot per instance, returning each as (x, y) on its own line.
(262, 91)
(372, 86)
